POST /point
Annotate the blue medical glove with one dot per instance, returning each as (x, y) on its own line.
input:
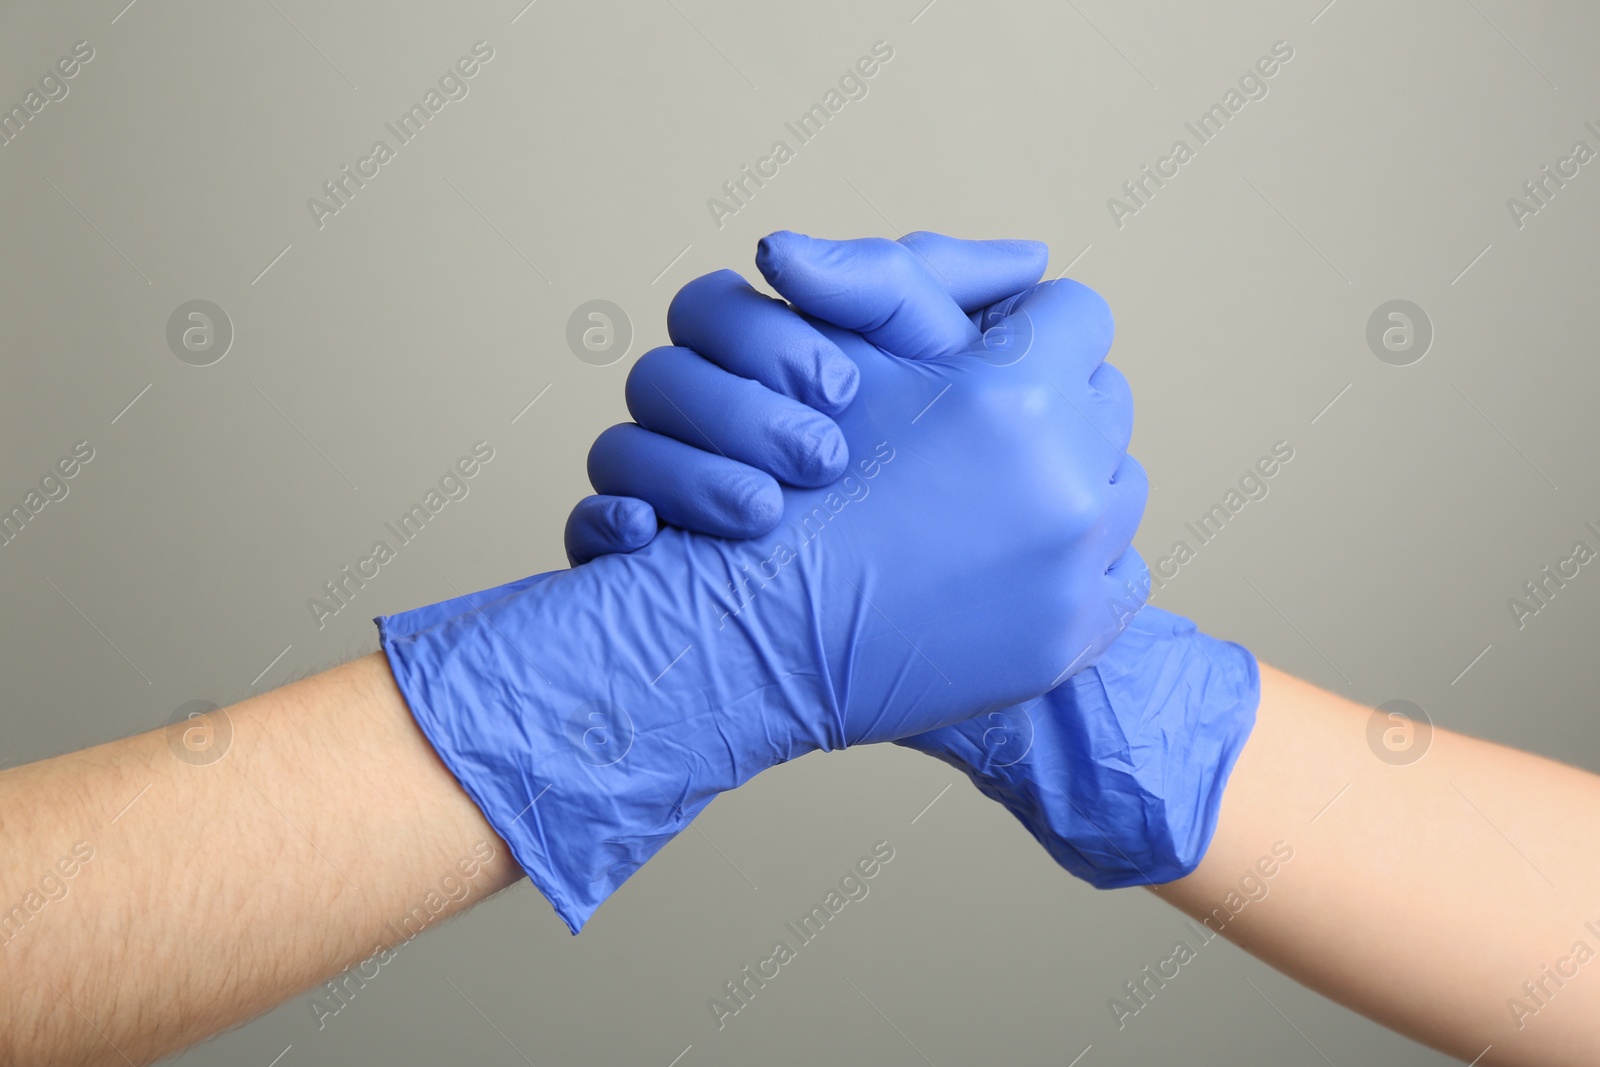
(748, 385)
(743, 397)
(984, 520)
(1119, 771)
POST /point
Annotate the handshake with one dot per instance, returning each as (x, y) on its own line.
(894, 506)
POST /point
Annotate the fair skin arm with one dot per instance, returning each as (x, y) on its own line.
(215, 891)
(1425, 894)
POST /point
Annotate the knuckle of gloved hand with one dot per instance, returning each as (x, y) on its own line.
(689, 304)
(1129, 569)
(1111, 388)
(1022, 411)
(693, 292)
(746, 504)
(1092, 327)
(613, 443)
(1075, 509)
(817, 449)
(1090, 309)
(627, 523)
(1130, 482)
(901, 263)
(643, 374)
(833, 377)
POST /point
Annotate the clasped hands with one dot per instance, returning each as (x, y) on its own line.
(897, 506)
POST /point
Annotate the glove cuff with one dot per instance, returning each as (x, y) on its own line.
(1164, 725)
(1126, 762)
(569, 710)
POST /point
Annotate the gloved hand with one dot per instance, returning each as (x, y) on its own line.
(1119, 771)
(984, 522)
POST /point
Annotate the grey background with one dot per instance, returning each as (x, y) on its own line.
(427, 314)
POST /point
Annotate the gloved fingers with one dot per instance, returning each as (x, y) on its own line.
(602, 525)
(754, 336)
(876, 287)
(1129, 491)
(676, 392)
(1129, 572)
(1110, 405)
(1063, 328)
(1129, 583)
(978, 273)
(688, 488)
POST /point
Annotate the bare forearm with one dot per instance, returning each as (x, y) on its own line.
(1423, 895)
(327, 831)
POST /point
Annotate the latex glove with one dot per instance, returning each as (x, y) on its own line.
(782, 389)
(749, 389)
(984, 522)
(1118, 772)
(741, 400)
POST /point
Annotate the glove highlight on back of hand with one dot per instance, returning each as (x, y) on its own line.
(975, 554)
